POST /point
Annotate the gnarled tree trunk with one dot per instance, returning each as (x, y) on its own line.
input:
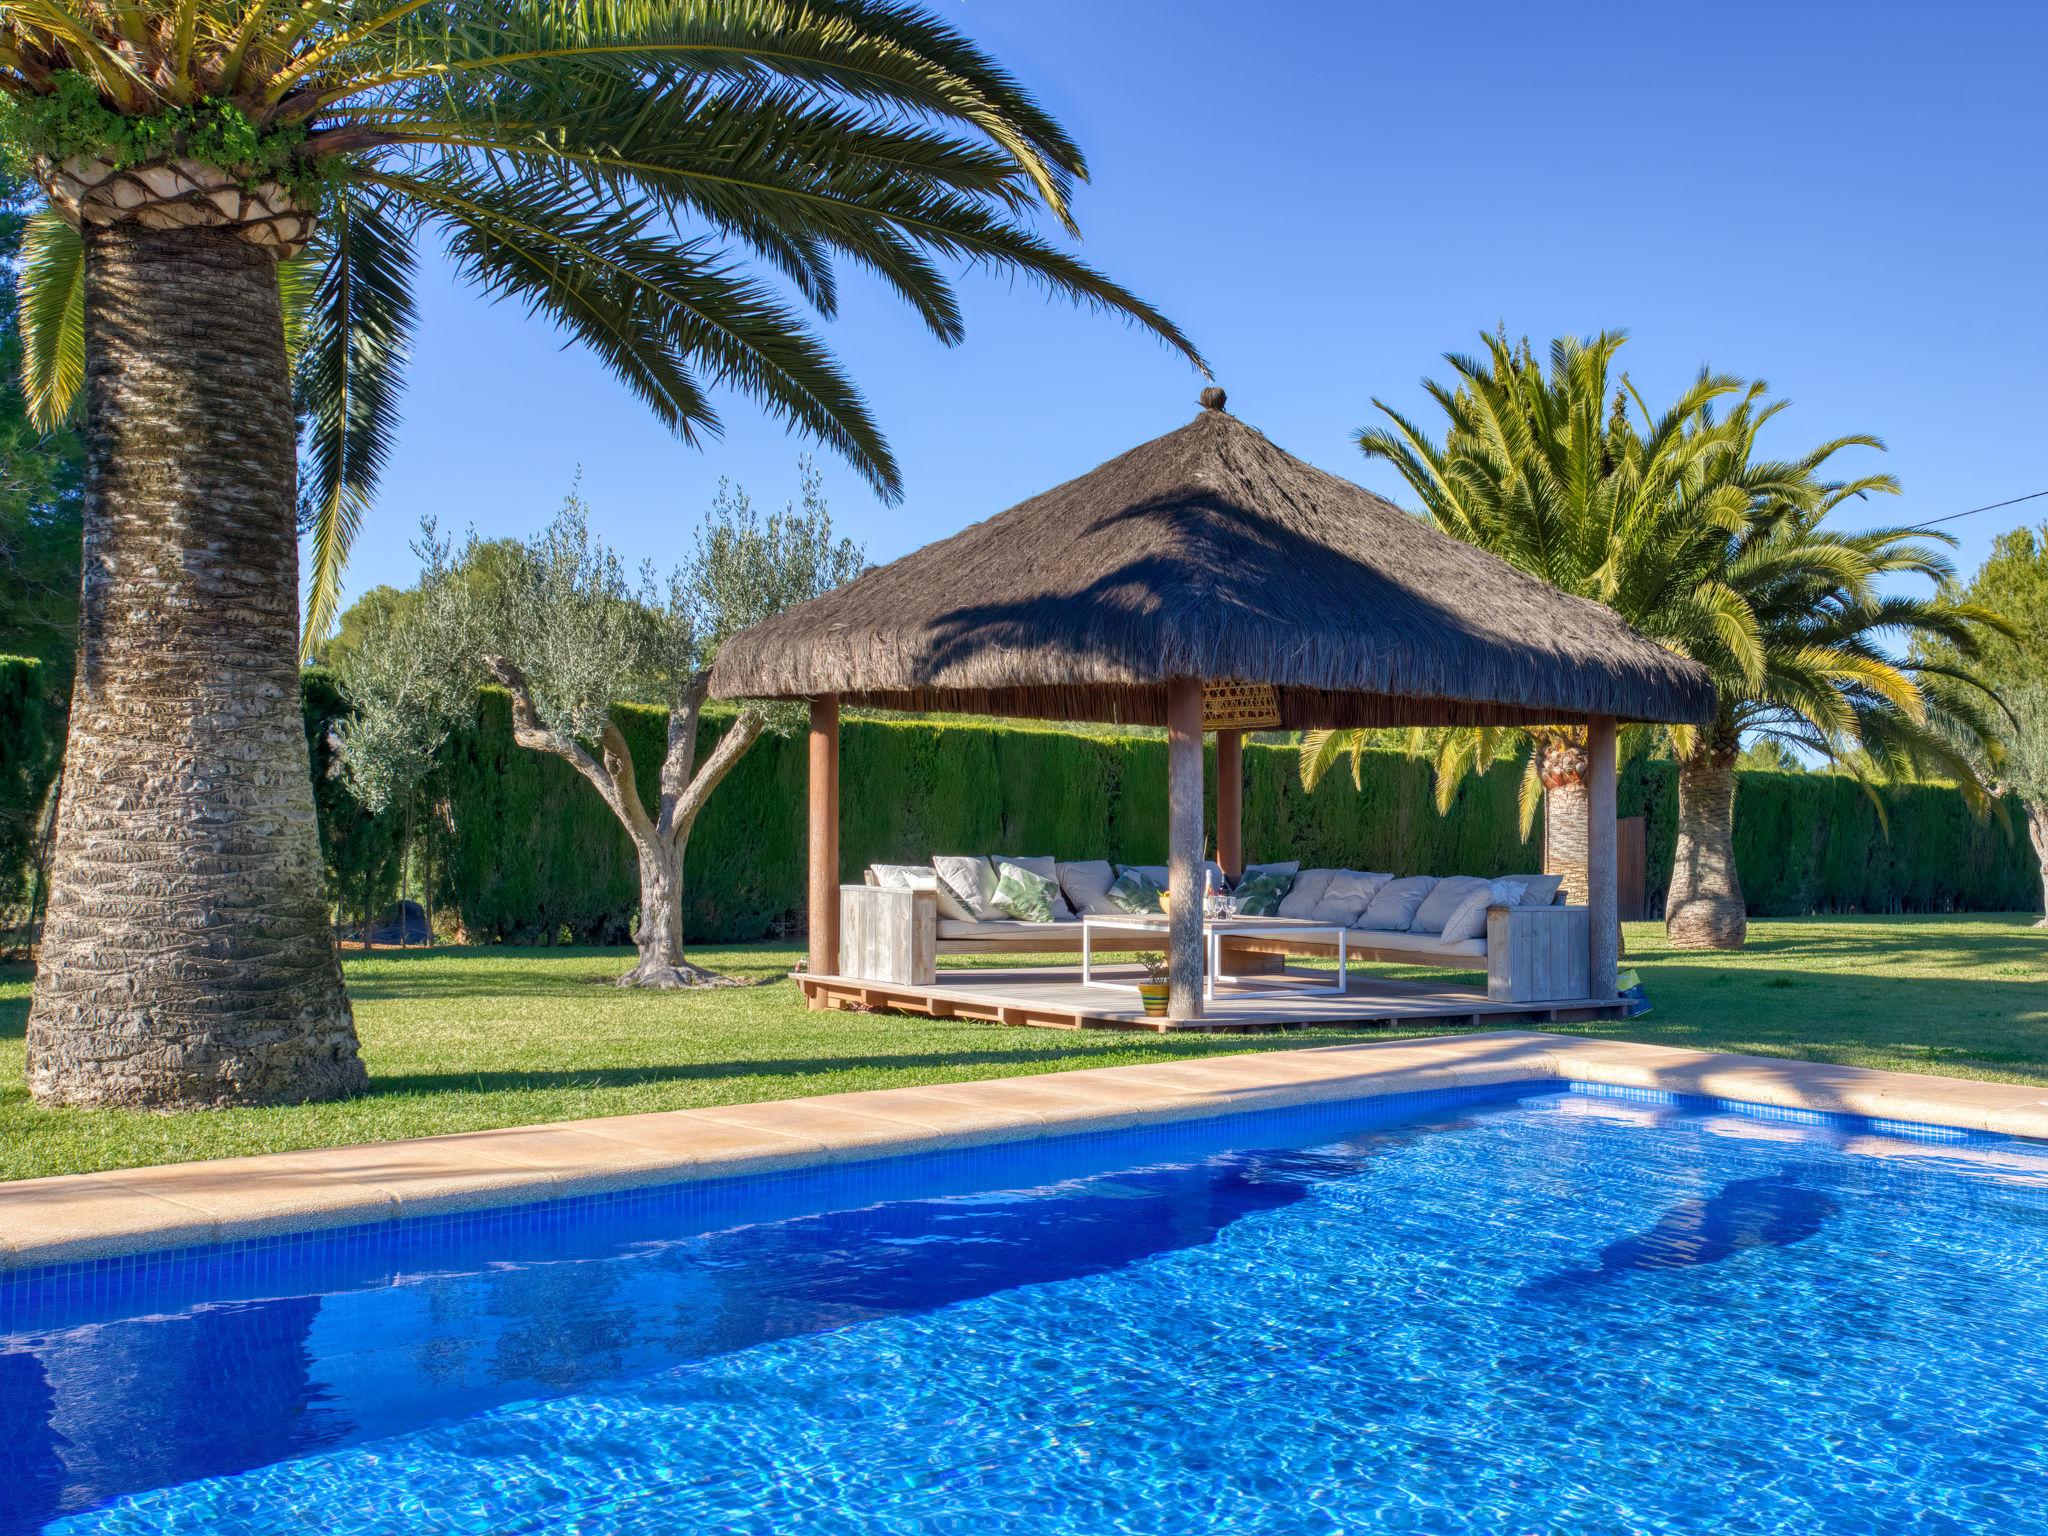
(659, 840)
(659, 937)
(187, 959)
(1705, 909)
(1561, 764)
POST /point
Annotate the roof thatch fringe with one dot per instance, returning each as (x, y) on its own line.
(1211, 553)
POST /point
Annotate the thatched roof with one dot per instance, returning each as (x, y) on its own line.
(1211, 553)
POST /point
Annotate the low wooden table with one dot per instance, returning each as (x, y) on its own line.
(1214, 931)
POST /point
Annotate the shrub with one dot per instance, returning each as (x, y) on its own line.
(30, 737)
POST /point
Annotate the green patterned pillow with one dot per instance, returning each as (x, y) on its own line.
(1259, 895)
(1023, 894)
(1134, 891)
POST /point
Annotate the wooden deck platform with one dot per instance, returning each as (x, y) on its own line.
(1052, 997)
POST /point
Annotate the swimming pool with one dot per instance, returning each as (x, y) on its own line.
(1519, 1308)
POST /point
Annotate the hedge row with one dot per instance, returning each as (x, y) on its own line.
(362, 851)
(522, 851)
(28, 757)
(1814, 842)
(533, 855)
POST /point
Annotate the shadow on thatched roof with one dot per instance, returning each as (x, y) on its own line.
(1211, 553)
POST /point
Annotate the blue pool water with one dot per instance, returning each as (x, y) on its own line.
(1516, 1310)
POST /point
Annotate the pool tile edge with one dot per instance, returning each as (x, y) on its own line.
(89, 1216)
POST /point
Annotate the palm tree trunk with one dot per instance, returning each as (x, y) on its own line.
(1705, 909)
(187, 959)
(1561, 764)
(2037, 831)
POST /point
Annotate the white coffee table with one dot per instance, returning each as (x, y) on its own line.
(1214, 930)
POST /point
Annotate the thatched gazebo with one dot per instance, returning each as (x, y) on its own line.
(1209, 564)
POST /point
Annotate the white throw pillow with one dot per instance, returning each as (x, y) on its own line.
(966, 885)
(1445, 897)
(1509, 890)
(1348, 894)
(1310, 886)
(1394, 905)
(1086, 882)
(905, 877)
(1542, 891)
(1046, 868)
(1469, 921)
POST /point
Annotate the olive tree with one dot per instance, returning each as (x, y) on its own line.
(567, 633)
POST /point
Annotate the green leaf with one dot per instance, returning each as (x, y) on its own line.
(52, 293)
(355, 339)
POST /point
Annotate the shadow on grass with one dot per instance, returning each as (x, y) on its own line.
(1921, 1020)
(14, 1010)
(508, 1079)
(1975, 949)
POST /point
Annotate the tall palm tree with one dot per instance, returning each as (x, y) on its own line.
(1564, 472)
(230, 179)
(1832, 630)
(1680, 524)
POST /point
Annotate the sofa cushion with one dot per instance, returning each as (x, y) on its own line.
(1134, 891)
(1086, 882)
(1349, 894)
(1258, 895)
(1444, 898)
(904, 877)
(1394, 905)
(1157, 873)
(1509, 890)
(1290, 869)
(1424, 946)
(966, 884)
(1542, 891)
(1024, 893)
(1055, 935)
(1469, 921)
(1308, 888)
(1045, 868)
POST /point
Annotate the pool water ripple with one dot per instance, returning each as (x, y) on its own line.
(1558, 1312)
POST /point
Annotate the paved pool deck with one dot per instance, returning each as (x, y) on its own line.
(95, 1215)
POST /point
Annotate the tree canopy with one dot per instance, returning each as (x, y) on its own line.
(671, 185)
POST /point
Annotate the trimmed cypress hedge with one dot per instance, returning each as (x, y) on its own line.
(29, 752)
(534, 855)
(361, 851)
(528, 854)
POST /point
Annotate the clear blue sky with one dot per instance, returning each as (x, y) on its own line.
(1844, 199)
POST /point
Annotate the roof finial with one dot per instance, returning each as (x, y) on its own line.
(1213, 398)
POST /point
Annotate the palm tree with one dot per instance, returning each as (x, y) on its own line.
(232, 183)
(1688, 532)
(1831, 628)
(1566, 473)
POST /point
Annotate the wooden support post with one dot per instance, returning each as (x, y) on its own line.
(1184, 844)
(1230, 802)
(1603, 889)
(823, 895)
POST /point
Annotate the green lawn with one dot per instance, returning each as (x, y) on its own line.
(465, 1039)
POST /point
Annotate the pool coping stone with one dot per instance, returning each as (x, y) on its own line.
(73, 1217)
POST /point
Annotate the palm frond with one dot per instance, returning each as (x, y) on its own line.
(51, 289)
(356, 337)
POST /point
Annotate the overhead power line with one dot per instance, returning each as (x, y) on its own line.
(1988, 507)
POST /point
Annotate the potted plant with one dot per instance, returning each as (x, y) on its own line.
(1154, 989)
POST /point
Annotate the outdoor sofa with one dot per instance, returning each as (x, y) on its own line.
(1459, 922)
